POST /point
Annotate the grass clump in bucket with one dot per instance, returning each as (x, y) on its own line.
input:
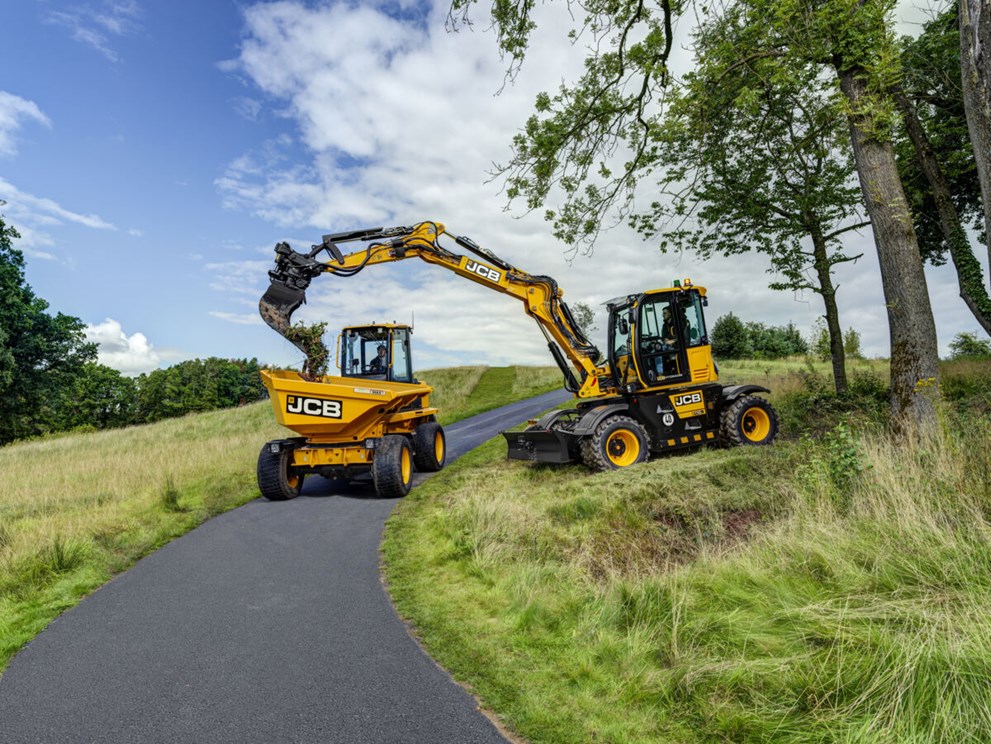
(310, 339)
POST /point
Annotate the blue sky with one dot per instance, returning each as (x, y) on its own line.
(152, 154)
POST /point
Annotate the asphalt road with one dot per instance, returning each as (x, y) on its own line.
(266, 624)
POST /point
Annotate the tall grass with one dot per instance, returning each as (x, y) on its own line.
(832, 590)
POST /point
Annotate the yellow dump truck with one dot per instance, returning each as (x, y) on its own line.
(374, 417)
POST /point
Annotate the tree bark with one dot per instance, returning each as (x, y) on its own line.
(970, 276)
(975, 69)
(828, 292)
(914, 358)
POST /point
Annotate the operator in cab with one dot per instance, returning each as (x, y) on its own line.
(379, 363)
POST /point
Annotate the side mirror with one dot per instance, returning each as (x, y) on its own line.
(624, 326)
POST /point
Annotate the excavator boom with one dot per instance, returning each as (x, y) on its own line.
(293, 272)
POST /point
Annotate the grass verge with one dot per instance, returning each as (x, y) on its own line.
(821, 590)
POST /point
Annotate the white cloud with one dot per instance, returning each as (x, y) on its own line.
(47, 211)
(34, 215)
(394, 125)
(14, 111)
(131, 355)
(238, 318)
(96, 25)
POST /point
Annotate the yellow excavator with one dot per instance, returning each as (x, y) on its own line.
(656, 389)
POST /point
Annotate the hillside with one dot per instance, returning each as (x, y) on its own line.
(830, 588)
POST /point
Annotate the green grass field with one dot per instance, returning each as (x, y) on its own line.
(79, 508)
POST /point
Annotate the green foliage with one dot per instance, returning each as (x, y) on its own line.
(815, 408)
(195, 386)
(310, 338)
(584, 316)
(833, 464)
(775, 342)
(851, 344)
(969, 346)
(931, 64)
(966, 384)
(733, 339)
(170, 496)
(819, 344)
(102, 398)
(40, 354)
(729, 337)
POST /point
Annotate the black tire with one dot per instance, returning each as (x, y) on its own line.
(275, 479)
(429, 447)
(392, 468)
(617, 442)
(748, 420)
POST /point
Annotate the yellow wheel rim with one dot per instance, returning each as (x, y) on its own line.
(439, 446)
(292, 480)
(406, 464)
(622, 448)
(756, 424)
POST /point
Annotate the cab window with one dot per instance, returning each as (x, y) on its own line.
(695, 322)
(360, 355)
(662, 338)
(620, 345)
(401, 364)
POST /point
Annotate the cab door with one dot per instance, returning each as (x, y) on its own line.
(662, 340)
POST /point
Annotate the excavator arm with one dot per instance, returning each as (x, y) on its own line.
(541, 297)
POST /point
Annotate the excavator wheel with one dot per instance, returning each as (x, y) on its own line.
(429, 447)
(748, 420)
(392, 468)
(617, 442)
(276, 480)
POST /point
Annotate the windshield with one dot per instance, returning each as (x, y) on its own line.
(365, 352)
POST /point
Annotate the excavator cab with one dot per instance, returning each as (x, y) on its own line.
(659, 339)
(376, 352)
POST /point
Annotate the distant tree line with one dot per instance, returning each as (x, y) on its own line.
(733, 339)
(50, 380)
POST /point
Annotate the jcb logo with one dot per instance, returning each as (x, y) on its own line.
(687, 399)
(690, 404)
(483, 271)
(313, 407)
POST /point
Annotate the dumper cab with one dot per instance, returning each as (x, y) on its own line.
(373, 418)
(376, 352)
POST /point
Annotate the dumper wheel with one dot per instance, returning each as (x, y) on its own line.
(392, 468)
(276, 480)
(429, 447)
(748, 420)
(617, 442)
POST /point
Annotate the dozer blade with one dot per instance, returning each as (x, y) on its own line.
(537, 445)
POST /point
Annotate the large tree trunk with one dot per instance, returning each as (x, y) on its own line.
(914, 357)
(828, 292)
(975, 69)
(970, 276)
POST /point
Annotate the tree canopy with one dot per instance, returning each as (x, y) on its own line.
(40, 354)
